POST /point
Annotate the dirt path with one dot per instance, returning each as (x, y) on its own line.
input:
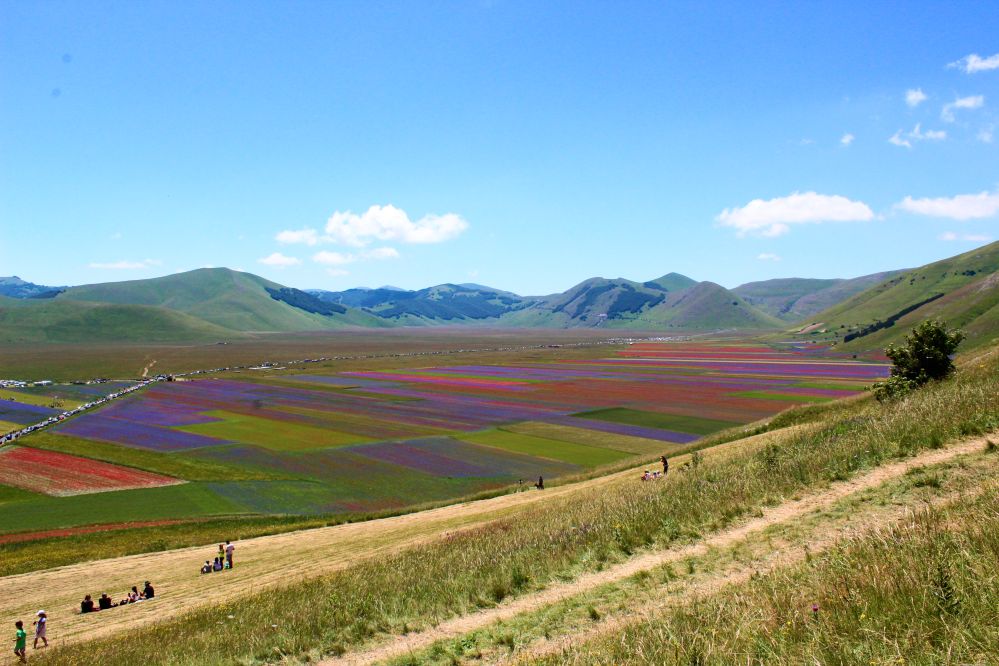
(145, 370)
(261, 563)
(404, 645)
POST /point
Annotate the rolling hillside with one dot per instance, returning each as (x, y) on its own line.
(962, 290)
(672, 301)
(230, 299)
(52, 320)
(795, 299)
(445, 303)
(15, 287)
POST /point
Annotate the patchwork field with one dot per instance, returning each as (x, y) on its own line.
(381, 439)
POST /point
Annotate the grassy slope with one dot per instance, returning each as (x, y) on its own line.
(971, 296)
(793, 299)
(54, 320)
(686, 305)
(234, 300)
(478, 568)
(922, 591)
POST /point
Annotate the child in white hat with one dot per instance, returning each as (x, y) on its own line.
(40, 628)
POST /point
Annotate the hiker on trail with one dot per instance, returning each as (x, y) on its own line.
(20, 641)
(665, 463)
(148, 592)
(540, 485)
(229, 548)
(39, 624)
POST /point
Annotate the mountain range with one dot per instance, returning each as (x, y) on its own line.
(222, 304)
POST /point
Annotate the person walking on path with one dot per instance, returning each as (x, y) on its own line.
(40, 625)
(20, 641)
(665, 463)
(540, 485)
(229, 548)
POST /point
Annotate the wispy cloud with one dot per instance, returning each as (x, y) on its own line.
(970, 102)
(125, 265)
(381, 253)
(915, 96)
(916, 134)
(986, 134)
(388, 223)
(960, 207)
(333, 258)
(306, 236)
(896, 139)
(774, 217)
(278, 260)
(337, 272)
(970, 238)
(768, 256)
(847, 139)
(975, 63)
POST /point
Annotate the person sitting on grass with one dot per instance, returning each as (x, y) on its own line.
(207, 567)
(148, 592)
(134, 595)
(217, 566)
(87, 605)
(20, 641)
(646, 476)
(105, 602)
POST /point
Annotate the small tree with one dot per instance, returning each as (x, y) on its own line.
(924, 357)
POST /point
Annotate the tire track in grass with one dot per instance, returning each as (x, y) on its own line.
(459, 626)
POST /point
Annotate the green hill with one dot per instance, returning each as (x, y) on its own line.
(962, 290)
(230, 299)
(672, 301)
(445, 303)
(50, 320)
(795, 299)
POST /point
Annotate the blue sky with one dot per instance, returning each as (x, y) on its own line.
(524, 145)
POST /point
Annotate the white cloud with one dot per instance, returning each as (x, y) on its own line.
(125, 265)
(960, 207)
(768, 256)
(289, 237)
(116, 235)
(930, 135)
(773, 217)
(279, 260)
(970, 102)
(847, 139)
(897, 140)
(916, 134)
(337, 272)
(333, 258)
(985, 135)
(971, 238)
(391, 223)
(915, 96)
(381, 253)
(976, 63)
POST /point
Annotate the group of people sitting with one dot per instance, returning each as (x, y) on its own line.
(218, 565)
(655, 476)
(223, 560)
(105, 602)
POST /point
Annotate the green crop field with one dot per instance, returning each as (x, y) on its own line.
(188, 500)
(576, 454)
(276, 435)
(786, 397)
(692, 424)
(592, 438)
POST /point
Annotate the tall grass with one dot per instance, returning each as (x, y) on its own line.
(920, 592)
(480, 567)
